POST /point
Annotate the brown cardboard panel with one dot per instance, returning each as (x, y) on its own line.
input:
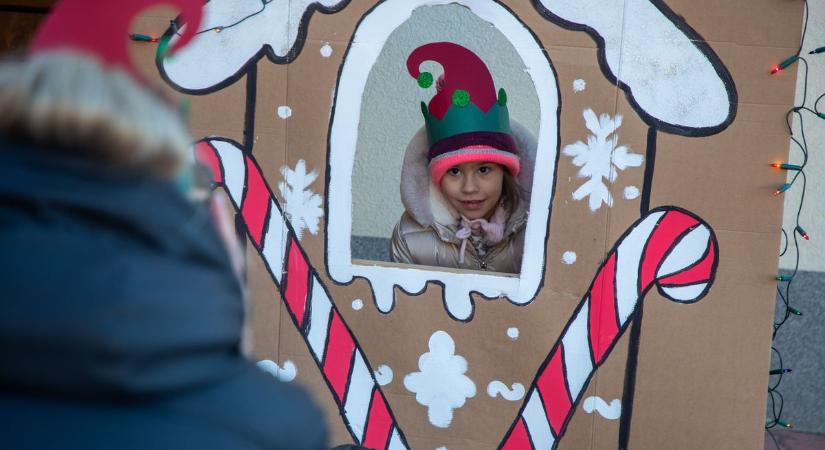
(750, 67)
(703, 367)
(308, 377)
(580, 430)
(765, 118)
(398, 339)
(264, 308)
(633, 134)
(573, 225)
(271, 91)
(608, 385)
(312, 79)
(774, 23)
(548, 32)
(738, 177)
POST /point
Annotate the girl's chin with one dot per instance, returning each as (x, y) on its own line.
(472, 210)
(474, 214)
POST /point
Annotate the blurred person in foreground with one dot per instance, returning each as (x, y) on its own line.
(121, 311)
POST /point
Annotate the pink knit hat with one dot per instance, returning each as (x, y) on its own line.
(100, 29)
(466, 121)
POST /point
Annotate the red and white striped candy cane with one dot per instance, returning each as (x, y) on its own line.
(669, 248)
(336, 351)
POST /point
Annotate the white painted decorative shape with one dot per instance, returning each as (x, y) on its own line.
(631, 192)
(440, 385)
(671, 79)
(284, 112)
(383, 375)
(611, 411)
(600, 159)
(285, 374)
(513, 393)
(326, 50)
(513, 333)
(301, 206)
(213, 58)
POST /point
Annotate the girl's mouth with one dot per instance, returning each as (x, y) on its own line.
(472, 204)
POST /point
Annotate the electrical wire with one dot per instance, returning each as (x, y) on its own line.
(776, 400)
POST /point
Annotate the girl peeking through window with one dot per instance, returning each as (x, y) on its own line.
(461, 182)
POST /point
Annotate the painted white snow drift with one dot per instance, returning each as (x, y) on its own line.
(440, 384)
(213, 57)
(669, 77)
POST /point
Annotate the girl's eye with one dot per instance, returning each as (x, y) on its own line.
(453, 171)
(484, 170)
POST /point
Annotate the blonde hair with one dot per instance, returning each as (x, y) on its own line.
(68, 103)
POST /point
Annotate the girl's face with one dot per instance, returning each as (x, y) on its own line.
(473, 188)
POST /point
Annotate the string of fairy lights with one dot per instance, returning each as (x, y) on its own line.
(216, 29)
(799, 180)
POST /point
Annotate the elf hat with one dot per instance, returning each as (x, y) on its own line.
(100, 29)
(465, 120)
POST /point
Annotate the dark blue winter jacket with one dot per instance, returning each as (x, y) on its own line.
(120, 320)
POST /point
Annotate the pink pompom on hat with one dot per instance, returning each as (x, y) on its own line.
(466, 121)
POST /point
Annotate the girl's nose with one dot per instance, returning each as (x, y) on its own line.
(470, 184)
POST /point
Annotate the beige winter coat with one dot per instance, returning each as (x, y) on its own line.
(437, 246)
(425, 234)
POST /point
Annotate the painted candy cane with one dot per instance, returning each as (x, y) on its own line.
(669, 248)
(336, 351)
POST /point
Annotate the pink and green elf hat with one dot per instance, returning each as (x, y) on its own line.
(466, 121)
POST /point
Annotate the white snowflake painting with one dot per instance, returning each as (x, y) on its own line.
(600, 158)
(301, 206)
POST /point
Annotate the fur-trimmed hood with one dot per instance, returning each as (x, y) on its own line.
(427, 206)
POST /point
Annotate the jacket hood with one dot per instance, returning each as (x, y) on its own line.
(427, 205)
(114, 285)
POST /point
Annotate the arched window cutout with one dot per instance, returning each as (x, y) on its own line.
(376, 114)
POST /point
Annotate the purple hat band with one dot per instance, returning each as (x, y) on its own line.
(499, 141)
